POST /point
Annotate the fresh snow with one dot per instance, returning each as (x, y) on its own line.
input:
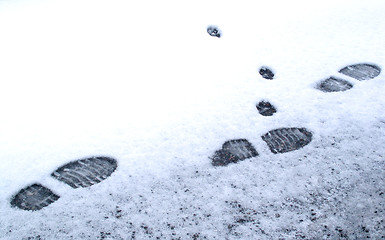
(145, 84)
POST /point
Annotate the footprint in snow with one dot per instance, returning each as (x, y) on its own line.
(214, 31)
(265, 108)
(289, 139)
(80, 173)
(89, 171)
(279, 141)
(360, 72)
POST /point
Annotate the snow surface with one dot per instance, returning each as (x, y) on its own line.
(144, 83)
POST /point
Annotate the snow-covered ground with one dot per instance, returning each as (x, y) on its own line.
(145, 84)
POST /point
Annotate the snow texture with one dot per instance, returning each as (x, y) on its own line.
(145, 84)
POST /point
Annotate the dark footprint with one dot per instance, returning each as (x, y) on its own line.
(80, 173)
(361, 71)
(266, 109)
(34, 197)
(214, 31)
(287, 139)
(266, 73)
(333, 84)
(233, 151)
(86, 172)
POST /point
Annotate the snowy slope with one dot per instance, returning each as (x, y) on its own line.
(145, 84)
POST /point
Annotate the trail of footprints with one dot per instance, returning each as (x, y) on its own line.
(89, 171)
(284, 140)
(80, 173)
(360, 72)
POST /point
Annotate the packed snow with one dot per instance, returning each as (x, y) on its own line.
(145, 84)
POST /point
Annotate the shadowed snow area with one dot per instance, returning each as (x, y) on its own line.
(145, 85)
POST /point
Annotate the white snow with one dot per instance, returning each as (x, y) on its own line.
(144, 83)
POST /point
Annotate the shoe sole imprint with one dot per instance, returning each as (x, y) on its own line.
(333, 84)
(34, 197)
(233, 151)
(287, 139)
(361, 71)
(85, 172)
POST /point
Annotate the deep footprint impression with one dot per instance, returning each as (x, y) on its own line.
(333, 84)
(287, 139)
(34, 197)
(266, 109)
(85, 172)
(361, 71)
(233, 151)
